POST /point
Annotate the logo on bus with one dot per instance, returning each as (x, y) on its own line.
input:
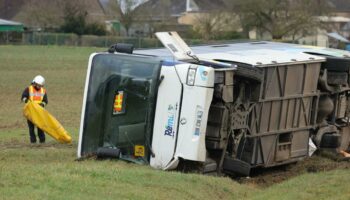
(169, 127)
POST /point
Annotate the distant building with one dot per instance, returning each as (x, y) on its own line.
(338, 23)
(341, 17)
(337, 27)
(175, 15)
(10, 31)
(341, 7)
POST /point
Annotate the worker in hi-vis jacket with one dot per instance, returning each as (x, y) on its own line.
(35, 93)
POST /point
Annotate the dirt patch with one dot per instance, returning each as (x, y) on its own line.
(266, 177)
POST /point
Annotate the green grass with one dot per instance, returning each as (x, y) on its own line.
(64, 69)
(329, 185)
(50, 171)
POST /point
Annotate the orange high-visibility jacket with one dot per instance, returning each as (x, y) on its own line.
(35, 95)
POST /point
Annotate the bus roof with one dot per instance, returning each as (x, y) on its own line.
(256, 53)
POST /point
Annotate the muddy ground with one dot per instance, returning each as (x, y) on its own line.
(317, 163)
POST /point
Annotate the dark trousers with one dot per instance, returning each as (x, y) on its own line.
(41, 134)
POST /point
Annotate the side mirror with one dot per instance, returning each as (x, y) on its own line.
(107, 152)
(121, 48)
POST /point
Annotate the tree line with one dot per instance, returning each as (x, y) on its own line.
(278, 18)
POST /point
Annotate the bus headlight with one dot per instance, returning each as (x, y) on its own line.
(191, 76)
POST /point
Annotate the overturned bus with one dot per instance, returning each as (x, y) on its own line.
(227, 108)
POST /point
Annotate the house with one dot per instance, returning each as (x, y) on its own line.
(194, 9)
(341, 17)
(336, 29)
(181, 11)
(174, 15)
(148, 16)
(341, 7)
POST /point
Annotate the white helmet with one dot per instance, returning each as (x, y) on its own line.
(39, 80)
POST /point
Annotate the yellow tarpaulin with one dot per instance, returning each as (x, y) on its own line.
(46, 122)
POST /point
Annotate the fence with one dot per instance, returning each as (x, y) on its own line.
(70, 39)
(60, 39)
(85, 40)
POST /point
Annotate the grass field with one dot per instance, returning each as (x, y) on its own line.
(50, 171)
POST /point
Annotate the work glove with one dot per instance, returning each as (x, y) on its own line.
(25, 100)
(42, 104)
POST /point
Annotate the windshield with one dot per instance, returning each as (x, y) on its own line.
(120, 103)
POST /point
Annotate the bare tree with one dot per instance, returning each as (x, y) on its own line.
(125, 12)
(74, 16)
(49, 14)
(41, 13)
(163, 21)
(280, 17)
(9, 8)
(211, 23)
